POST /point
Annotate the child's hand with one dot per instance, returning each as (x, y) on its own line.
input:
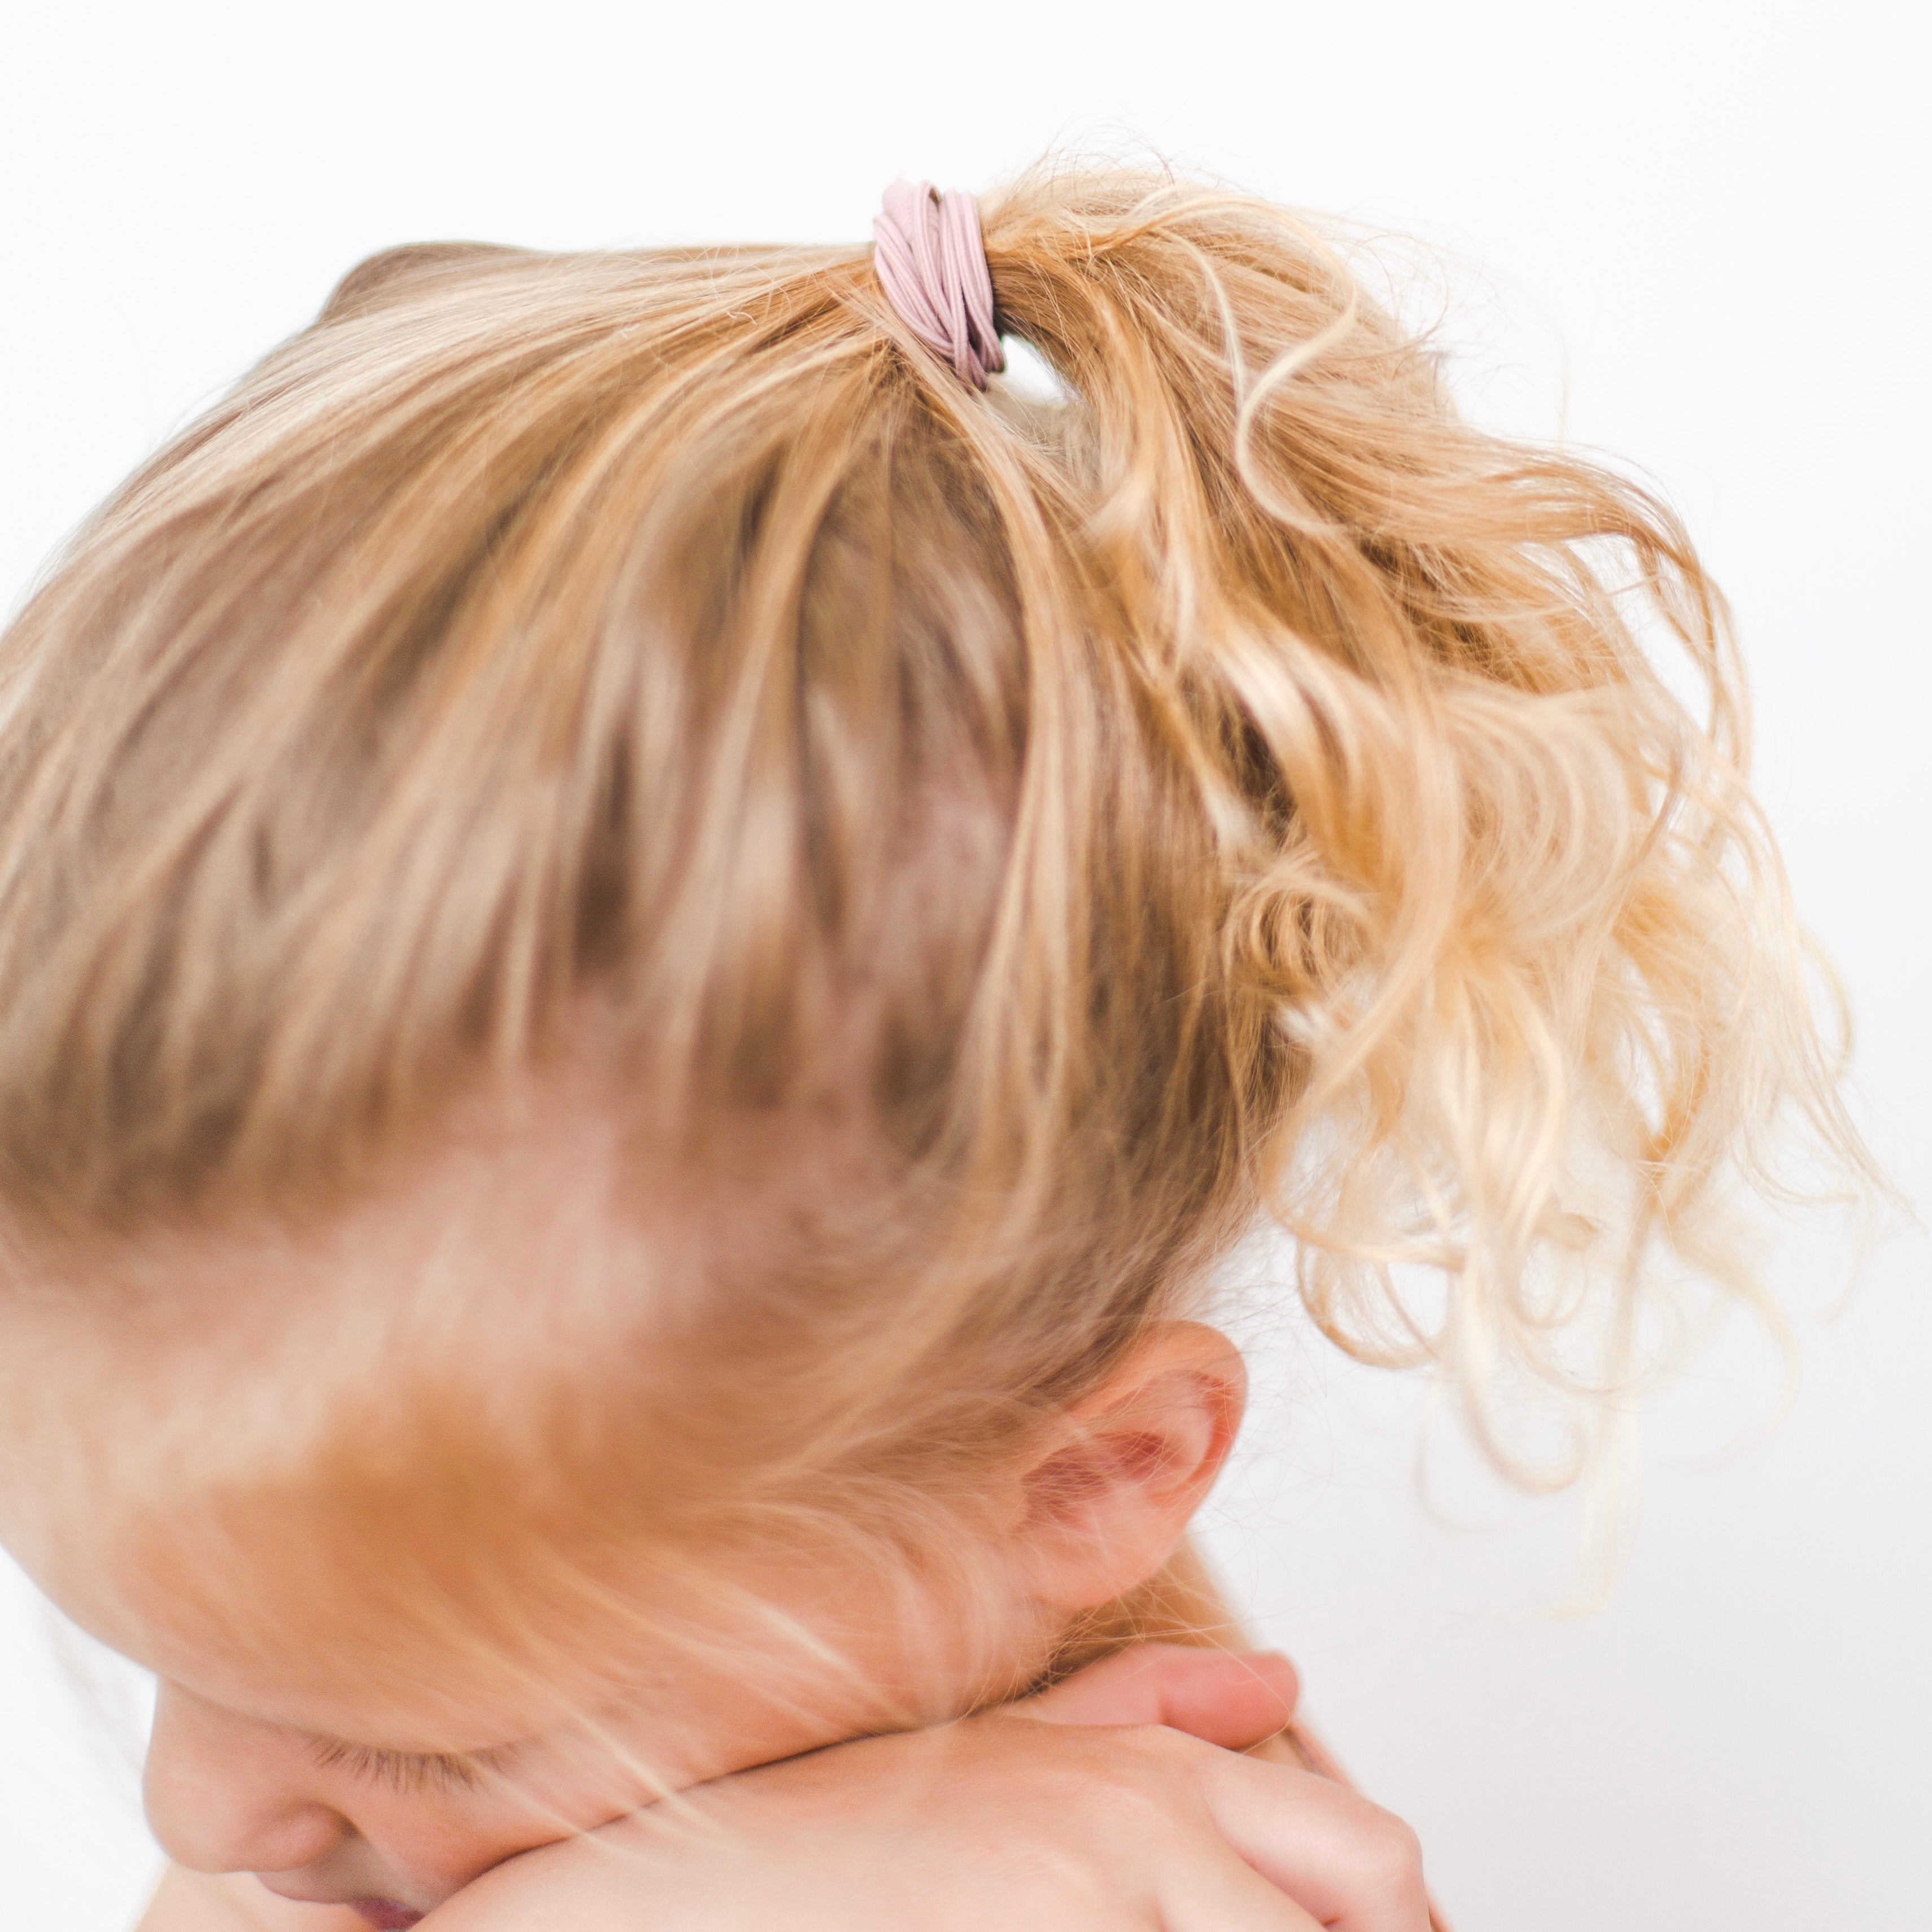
(1231, 1698)
(1069, 1825)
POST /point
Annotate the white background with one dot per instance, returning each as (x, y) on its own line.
(1704, 226)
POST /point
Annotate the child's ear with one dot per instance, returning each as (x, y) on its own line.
(1109, 1494)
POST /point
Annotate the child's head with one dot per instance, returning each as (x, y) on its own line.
(651, 950)
(448, 1519)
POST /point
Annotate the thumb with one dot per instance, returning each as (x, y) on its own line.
(1231, 1698)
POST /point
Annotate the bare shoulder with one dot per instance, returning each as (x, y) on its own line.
(187, 1901)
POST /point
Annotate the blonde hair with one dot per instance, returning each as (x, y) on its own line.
(1239, 786)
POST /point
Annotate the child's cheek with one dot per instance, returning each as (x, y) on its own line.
(443, 1841)
(439, 1854)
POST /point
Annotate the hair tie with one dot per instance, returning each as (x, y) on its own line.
(931, 262)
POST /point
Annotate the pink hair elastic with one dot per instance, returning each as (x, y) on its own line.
(931, 262)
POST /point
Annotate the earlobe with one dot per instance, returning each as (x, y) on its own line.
(1109, 1496)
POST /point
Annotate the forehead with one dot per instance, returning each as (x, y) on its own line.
(349, 1406)
(467, 1261)
(524, 1405)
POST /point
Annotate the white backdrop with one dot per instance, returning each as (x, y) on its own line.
(1705, 227)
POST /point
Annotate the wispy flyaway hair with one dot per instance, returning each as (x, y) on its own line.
(1239, 788)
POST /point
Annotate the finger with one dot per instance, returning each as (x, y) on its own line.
(1354, 1866)
(1231, 1698)
(1228, 1897)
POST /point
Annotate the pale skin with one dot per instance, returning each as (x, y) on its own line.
(296, 1788)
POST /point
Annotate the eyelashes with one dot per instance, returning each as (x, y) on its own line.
(406, 1771)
